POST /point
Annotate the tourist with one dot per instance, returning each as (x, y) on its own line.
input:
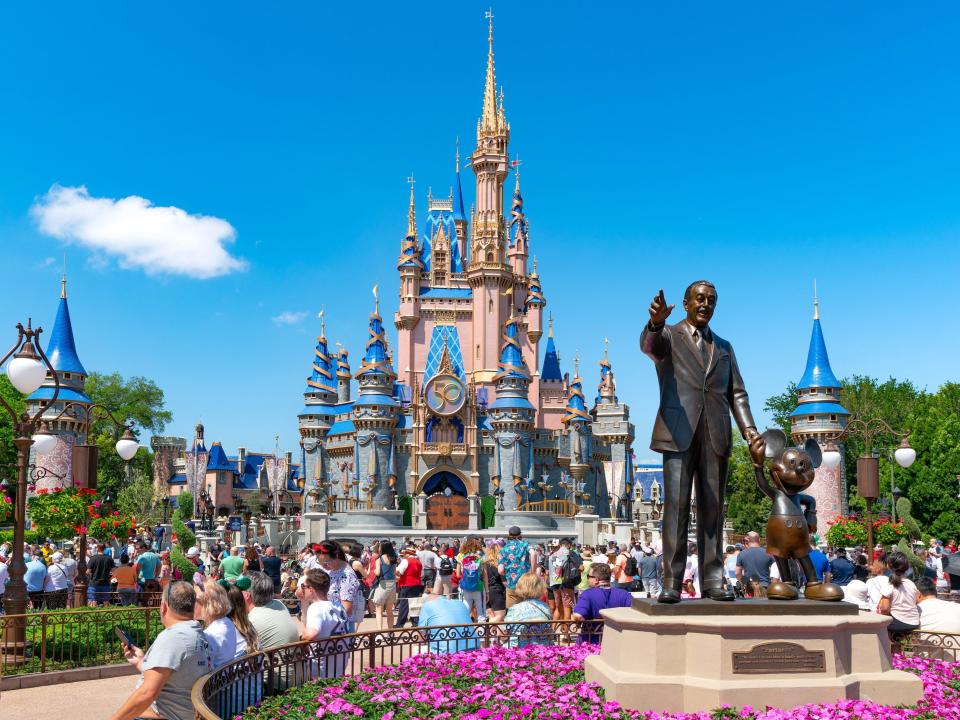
(821, 563)
(179, 656)
(730, 566)
(56, 584)
(199, 578)
(251, 562)
(517, 559)
(35, 576)
(493, 584)
(599, 596)
(344, 585)
(445, 569)
(166, 570)
(899, 597)
(70, 567)
(385, 590)
(566, 568)
(147, 566)
(649, 566)
(429, 560)
(841, 569)
(126, 578)
(586, 558)
(877, 581)
(213, 608)
(469, 565)
(268, 616)
(439, 611)
(691, 574)
(409, 583)
(238, 613)
(271, 566)
(936, 615)
(322, 619)
(99, 572)
(861, 571)
(4, 576)
(753, 563)
(857, 593)
(529, 605)
(231, 567)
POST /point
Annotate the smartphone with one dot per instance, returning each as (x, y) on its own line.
(123, 636)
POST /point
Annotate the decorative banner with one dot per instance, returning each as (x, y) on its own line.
(613, 471)
(277, 472)
(196, 471)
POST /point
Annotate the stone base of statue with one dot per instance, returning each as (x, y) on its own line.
(699, 655)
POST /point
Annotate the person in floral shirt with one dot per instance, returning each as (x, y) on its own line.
(516, 559)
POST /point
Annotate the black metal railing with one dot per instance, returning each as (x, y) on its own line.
(231, 689)
(69, 639)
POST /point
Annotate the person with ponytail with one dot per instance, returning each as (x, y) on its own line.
(899, 597)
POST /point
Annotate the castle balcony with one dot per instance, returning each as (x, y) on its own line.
(564, 508)
(455, 453)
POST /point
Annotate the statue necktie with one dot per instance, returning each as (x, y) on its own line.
(701, 346)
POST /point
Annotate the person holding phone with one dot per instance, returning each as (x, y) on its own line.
(178, 657)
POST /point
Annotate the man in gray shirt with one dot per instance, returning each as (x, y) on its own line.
(175, 661)
(269, 617)
(430, 561)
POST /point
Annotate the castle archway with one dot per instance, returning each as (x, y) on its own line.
(439, 479)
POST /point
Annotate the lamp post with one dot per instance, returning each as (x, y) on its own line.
(868, 465)
(26, 370)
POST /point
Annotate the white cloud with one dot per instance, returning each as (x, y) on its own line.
(158, 240)
(289, 318)
(46, 262)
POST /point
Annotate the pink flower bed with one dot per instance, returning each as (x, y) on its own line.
(547, 683)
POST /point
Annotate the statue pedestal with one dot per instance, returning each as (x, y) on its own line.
(699, 655)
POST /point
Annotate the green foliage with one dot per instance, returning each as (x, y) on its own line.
(747, 508)
(405, 503)
(8, 451)
(141, 500)
(780, 406)
(916, 562)
(135, 399)
(185, 536)
(59, 514)
(905, 516)
(847, 532)
(31, 537)
(255, 503)
(887, 533)
(488, 511)
(185, 504)
(179, 561)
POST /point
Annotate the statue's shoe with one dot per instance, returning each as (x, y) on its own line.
(823, 591)
(721, 594)
(782, 591)
(669, 596)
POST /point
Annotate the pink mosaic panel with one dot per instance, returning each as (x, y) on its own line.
(826, 491)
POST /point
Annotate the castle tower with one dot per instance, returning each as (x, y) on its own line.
(459, 216)
(375, 414)
(69, 430)
(511, 416)
(518, 239)
(487, 272)
(820, 416)
(343, 376)
(319, 398)
(613, 430)
(577, 422)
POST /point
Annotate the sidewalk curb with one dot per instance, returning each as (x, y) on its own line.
(59, 677)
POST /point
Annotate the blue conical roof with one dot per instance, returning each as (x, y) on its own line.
(511, 357)
(576, 406)
(458, 213)
(61, 348)
(321, 379)
(375, 358)
(818, 373)
(551, 363)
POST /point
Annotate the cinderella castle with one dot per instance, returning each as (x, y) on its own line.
(462, 408)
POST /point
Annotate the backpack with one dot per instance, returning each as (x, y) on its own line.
(631, 567)
(446, 566)
(571, 570)
(470, 582)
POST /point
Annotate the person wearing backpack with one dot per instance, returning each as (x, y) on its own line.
(444, 582)
(469, 563)
(565, 568)
(624, 570)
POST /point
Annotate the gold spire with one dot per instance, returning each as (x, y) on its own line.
(606, 348)
(550, 325)
(376, 300)
(63, 279)
(411, 214)
(576, 366)
(816, 302)
(323, 323)
(488, 121)
(456, 165)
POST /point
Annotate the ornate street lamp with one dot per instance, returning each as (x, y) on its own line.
(27, 369)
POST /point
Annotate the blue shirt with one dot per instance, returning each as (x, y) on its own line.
(820, 563)
(149, 563)
(35, 575)
(445, 611)
(842, 571)
(592, 601)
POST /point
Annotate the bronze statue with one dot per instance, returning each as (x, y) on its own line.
(700, 385)
(794, 514)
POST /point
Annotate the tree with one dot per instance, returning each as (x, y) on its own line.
(747, 508)
(8, 451)
(139, 499)
(185, 536)
(780, 406)
(136, 399)
(185, 505)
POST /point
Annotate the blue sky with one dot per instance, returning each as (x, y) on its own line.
(758, 145)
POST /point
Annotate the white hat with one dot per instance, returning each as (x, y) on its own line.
(193, 552)
(57, 557)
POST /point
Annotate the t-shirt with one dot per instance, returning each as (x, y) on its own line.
(126, 578)
(820, 563)
(691, 574)
(557, 560)
(592, 601)
(271, 567)
(35, 575)
(620, 569)
(345, 588)
(875, 586)
(184, 649)
(903, 601)
(446, 611)
(515, 558)
(56, 578)
(231, 567)
(4, 576)
(429, 559)
(939, 616)
(273, 624)
(755, 564)
(100, 568)
(841, 570)
(149, 566)
(730, 567)
(326, 618)
(226, 643)
(70, 568)
(648, 567)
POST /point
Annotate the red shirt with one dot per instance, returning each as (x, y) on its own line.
(410, 577)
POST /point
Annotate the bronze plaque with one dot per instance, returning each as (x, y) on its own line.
(779, 657)
(448, 513)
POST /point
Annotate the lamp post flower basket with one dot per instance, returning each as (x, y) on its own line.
(6, 508)
(847, 531)
(106, 527)
(57, 513)
(888, 533)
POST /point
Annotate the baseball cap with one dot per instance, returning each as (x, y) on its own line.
(514, 531)
(556, 542)
(57, 557)
(193, 552)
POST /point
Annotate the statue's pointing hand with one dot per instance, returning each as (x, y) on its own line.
(659, 310)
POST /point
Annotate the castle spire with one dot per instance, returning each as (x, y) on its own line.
(576, 405)
(488, 120)
(816, 302)
(63, 279)
(409, 252)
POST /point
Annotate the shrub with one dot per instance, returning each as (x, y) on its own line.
(847, 531)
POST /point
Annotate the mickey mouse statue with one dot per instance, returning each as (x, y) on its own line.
(794, 514)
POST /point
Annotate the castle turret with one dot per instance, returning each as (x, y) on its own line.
(68, 429)
(820, 416)
(411, 266)
(578, 431)
(343, 376)
(375, 414)
(459, 216)
(318, 412)
(613, 431)
(511, 416)
(518, 245)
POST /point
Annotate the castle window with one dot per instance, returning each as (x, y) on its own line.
(478, 351)
(66, 376)
(833, 418)
(813, 391)
(490, 305)
(811, 418)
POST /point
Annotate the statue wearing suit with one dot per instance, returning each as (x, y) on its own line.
(700, 386)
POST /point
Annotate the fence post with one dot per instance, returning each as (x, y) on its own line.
(43, 642)
(146, 627)
(373, 648)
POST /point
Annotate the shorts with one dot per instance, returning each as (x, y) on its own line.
(385, 595)
(496, 600)
(564, 597)
(99, 593)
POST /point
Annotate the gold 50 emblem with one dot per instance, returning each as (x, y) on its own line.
(445, 394)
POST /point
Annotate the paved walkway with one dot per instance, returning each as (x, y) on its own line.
(90, 700)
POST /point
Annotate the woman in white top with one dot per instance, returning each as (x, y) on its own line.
(899, 598)
(213, 608)
(322, 618)
(875, 585)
